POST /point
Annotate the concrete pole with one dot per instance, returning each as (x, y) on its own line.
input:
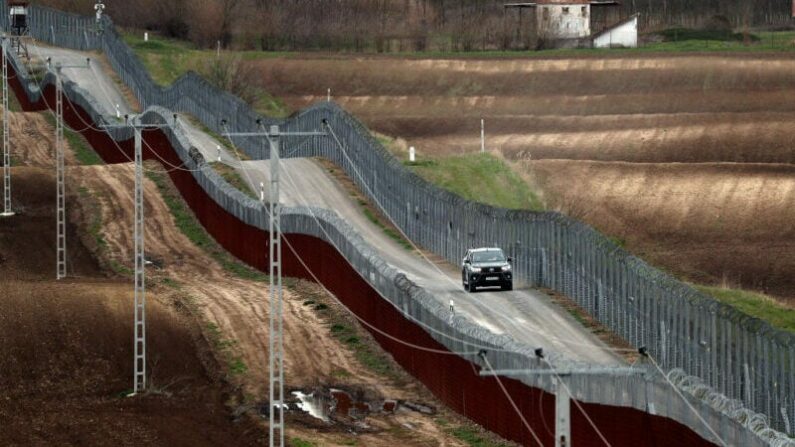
(562, 414)
(7, 212)
(276, 338)
(139, 370)
(60, 272)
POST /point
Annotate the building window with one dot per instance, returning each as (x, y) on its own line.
(546, 13)
(585, 11)
(565, 10)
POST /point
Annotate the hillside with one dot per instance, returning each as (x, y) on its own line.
(67, 345)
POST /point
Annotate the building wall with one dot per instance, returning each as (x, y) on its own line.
(624, 35)
(564, 21)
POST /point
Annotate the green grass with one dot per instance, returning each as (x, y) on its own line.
(84, 153)
(479, 177)
(472, 438)
(233, 178)
(755, 305)
(393, 234)
(119, 268)
(685, 41)
(298, 442)
(192, 229)
(171, 283)
(168, 59)
(226, 347)
(368, 356)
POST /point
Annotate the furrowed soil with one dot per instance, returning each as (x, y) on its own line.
(687, 158)
(66, 355)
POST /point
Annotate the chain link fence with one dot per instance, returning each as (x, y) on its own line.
(735, 357)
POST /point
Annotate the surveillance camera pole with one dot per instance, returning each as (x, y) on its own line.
(7, 212)
(276, 319)
(60, 170)
(139, 328)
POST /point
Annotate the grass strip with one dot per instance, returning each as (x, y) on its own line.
(167, 60)
(754, 304)
(84, 153)
(480, 177)
(233, 178)
(187, 223)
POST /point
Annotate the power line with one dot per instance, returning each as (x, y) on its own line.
(275, 314)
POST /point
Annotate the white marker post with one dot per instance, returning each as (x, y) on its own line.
(328, 96)
(146, 37)
(412, 154)
(218, 146)
(482, 136)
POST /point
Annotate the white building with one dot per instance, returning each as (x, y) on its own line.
(569, 23)
(622, 35)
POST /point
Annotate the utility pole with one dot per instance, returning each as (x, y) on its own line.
(7, 212)
(562, 392)
(139, 323)
(139, 328)
(275, 314)
(60, 169)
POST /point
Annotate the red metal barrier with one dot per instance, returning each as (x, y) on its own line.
(450, 378)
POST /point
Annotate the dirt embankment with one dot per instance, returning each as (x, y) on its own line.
(679, 140)
(67, 354)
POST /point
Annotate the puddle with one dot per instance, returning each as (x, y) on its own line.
(332, 405)
(317, 406)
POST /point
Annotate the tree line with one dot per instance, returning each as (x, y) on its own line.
(400, 25)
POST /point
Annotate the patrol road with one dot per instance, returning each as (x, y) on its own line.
(527, 315)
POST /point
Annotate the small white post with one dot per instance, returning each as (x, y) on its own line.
(482, 136)
(452, 306)
(146, 37)
(262, 192)
(218, 146)
(412, 154)
(219, 49)
(328, 96)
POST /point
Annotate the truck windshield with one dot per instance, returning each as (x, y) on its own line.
(488, 256)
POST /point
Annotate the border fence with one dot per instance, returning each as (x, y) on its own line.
(719, 355)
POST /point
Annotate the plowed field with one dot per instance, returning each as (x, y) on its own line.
(694, 152)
